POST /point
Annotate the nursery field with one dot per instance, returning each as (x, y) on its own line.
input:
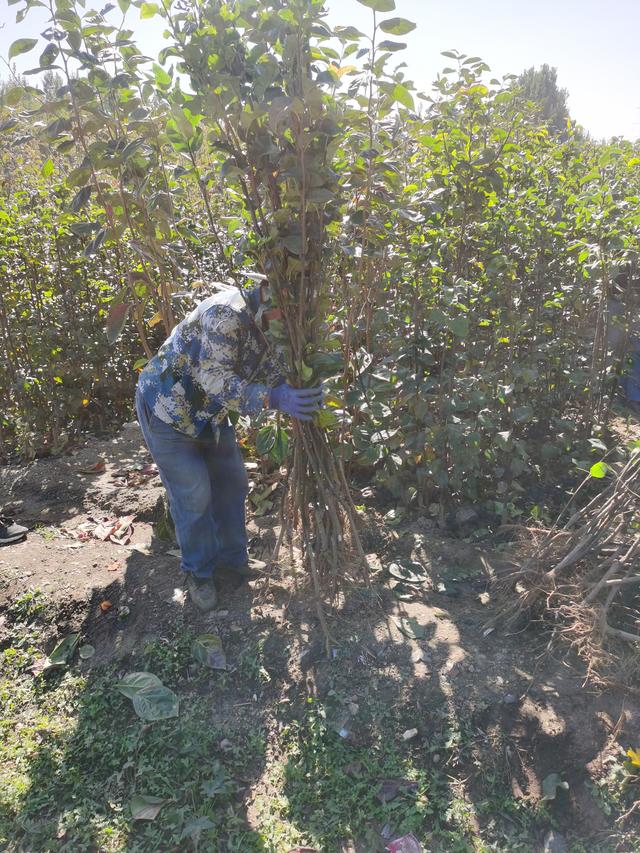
(442, 654)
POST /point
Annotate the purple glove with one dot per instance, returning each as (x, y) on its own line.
(300, 403)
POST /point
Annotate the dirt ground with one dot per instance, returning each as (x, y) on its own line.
(518, 711)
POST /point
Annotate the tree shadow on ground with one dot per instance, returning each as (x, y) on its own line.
(292, 746)
(400, 738)
(93, 755)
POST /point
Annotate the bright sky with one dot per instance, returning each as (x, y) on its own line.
(593, 44)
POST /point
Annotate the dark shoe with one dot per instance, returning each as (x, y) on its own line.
(203, 592)
(249, 570)
(11, 532)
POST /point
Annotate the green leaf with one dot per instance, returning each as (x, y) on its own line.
(155, 703)
(280, 449)
(392, 46)
(81, 198)
(163, 79)
(599, 470)
(293, 242)
(207, 649)
(134, 682)
(149, 10)
(49, 55)
(145, 807)
(325, 419)
(379, 5)
(265, 440)
(397, 26)
(63, 652)
(116, 320)
(410, 627)
(47, 168)
(403, 96)
(459, 326)
(21, 46)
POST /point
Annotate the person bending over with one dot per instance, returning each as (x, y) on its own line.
(215, 361)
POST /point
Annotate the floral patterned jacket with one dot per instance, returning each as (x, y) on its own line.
(214, 361)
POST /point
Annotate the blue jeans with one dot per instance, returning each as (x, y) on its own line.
(207, 485)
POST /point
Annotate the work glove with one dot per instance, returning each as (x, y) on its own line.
(300, 403)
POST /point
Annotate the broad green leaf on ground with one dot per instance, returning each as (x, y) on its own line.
(208, 650)
(145, 807)
(134, 682)
(410, 627)
(151, 699)
(63, 652)
(156, 703)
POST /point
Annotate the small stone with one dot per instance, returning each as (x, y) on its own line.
(484, 597)
(226, 745)
(410, 734)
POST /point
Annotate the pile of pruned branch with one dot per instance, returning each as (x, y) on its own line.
(578, 570)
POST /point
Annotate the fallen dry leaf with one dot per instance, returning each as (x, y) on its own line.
(114, 567)
(99, 468)
(103, 530)
(120, 531)
(105, 605)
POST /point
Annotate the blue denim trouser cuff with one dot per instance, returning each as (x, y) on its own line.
(207, 486)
